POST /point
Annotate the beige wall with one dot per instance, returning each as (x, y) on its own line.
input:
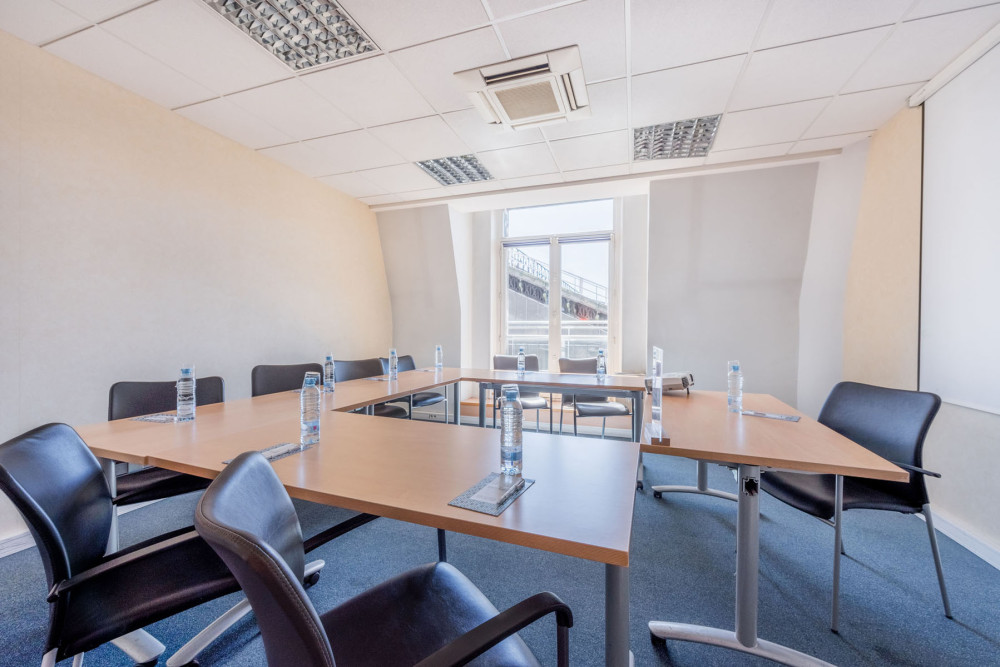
(134, 241)
(882, 301)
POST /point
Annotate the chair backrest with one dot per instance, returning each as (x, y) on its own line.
(57, 485)
(508, 362)
(890, 422)
(246, 516)
(131, 399)
(404, 363)
(586, 365)
(354, 369)
(272, 379)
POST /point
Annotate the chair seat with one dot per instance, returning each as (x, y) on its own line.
(814, 494)
(420, 611)
(393, 411)
(156, 483)
(533, 402)
(603, 409)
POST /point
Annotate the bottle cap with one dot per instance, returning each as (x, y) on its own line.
(329, 357)
(187, 371)
(309, 382)
(392, 351)
(511, 395)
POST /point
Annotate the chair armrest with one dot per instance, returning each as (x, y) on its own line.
(334, 532)
(117, 562)
(906, 466)
(486, 635)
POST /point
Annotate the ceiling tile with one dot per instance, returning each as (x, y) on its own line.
(381, 199)
(352, 151)
(455, 190)
(520, 161)
(826, 143)
(354, 185)
(593, 150)
(670, 164)
(596, 26)
(481, 136)
(421, 139)
(740, 154)
(505, 8)
(608, 108)
(38, 21)
(295, 109)
(430, 67)
(211, 51)
(803, 71)
(860, 112)
(770, 125)
(918, 50)
(532, 181)
(224, 117)
(299, 157)
(371, 91)
(791, 21)
(931, 7)
(670, 34)
(99, 10)
(683, 92)
(401, 178)
(398, 23)
(596, 172)
(110, 58)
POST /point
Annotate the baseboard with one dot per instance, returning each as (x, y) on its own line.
(987, 552)
(24, 540)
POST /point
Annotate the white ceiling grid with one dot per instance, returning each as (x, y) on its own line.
(790, 77)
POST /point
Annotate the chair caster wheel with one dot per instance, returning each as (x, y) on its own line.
(639, 486)
(657, 494)
(311, 580)
(657, 641)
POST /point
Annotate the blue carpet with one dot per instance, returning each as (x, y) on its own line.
(683, 564)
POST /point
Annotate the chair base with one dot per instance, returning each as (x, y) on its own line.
(702, 487)
(727, 639)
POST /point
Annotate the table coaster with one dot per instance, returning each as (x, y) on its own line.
(771, 415)
(159, 418)
(465, 500)
(279, 451)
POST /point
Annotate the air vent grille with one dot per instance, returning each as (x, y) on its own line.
(300, 33)
(533, 99)
(456, 170)
(684, 138)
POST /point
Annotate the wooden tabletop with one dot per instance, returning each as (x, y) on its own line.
(699, 426)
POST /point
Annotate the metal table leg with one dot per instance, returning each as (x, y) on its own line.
(747, 568)
(482, 405)
(702, 487)
(108, 468)
(458, 405)
(616, 597)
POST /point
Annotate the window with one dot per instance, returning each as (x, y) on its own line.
(557, 297)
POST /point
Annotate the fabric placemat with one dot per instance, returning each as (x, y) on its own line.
(279, 451)
(465, 500)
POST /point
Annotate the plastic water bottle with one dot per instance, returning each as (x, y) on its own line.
(511, 418)
(393, 365)
(309, 409)
(329, 375)
(438, 358)
(185, 395)
(520, 361)
(602, 366)
(735, 387)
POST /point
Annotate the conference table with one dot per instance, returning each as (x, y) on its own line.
(699, 426)
(580, 504)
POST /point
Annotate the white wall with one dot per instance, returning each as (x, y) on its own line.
(462, 238)
(824, 279)
(423, 283)
(726, 255)
(634, 282)
(134, 241)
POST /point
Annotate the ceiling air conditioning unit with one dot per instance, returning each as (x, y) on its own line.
(535, 90)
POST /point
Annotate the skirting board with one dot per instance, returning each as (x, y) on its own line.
(21, 541)
(987, 552)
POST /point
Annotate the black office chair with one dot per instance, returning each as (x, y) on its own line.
(431, 615)
(58, 487)
(890, 422)
(588, 405)
(356, 369)
(273, 379)
(421, 399)
(132, 399)
(530, 400)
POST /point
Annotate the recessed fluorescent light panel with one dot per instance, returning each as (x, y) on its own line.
(301, 33)
(456, 170)
(685, 138)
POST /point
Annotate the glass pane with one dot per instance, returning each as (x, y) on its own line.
(585, 280)
(583, 216)
(528, 301)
